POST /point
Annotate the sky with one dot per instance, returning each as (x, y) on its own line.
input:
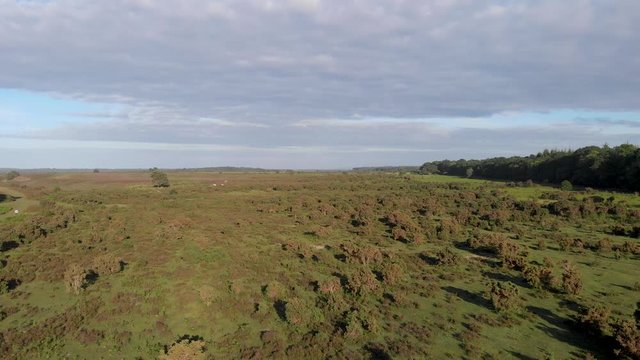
(312, 84)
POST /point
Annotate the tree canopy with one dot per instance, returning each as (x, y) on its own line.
(604, 167)
(158, 178)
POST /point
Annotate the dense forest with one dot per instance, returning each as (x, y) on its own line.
(605, 167)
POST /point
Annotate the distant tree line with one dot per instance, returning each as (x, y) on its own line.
(605, 167)
(412, 169)
(12, 175)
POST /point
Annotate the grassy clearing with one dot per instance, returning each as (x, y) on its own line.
(309, 265)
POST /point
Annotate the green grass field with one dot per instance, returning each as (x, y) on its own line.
(309, 265)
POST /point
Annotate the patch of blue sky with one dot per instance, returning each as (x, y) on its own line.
(609, 120)
(22, 111)
(544, 119)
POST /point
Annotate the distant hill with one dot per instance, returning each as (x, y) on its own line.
(206, 169)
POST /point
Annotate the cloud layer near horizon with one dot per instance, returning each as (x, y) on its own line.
(395, 76)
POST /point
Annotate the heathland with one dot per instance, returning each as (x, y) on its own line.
(315, 265)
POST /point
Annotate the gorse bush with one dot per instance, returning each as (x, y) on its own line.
(596, 320)
(604, 246)
(77, 278)
(330, 286)
(571, 280)
(185, 349)
(108, 264)
(362, 281)
(446, 256)
(538, 277)
(364, 255)
(627, 336)
(403, 228)
(301, 312)
(392, 273)
(504, 297)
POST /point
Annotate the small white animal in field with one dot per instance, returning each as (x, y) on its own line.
(16, 211)
(215, 184)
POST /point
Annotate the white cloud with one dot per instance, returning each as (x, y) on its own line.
(252, 71)
(305, 5)
(220, 122)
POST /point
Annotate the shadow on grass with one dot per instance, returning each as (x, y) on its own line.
(281, 309)
(622, 286)
(377, 352)
(430, 260)
(5, 197)
(566, 330)
(8, 245)
(549, 316)
(506, 277)
(468, 296)
(343, 279)
(520, 356)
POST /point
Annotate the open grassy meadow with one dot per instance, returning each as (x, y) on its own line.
(314, 266)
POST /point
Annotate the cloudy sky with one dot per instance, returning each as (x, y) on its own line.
(312, 83)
